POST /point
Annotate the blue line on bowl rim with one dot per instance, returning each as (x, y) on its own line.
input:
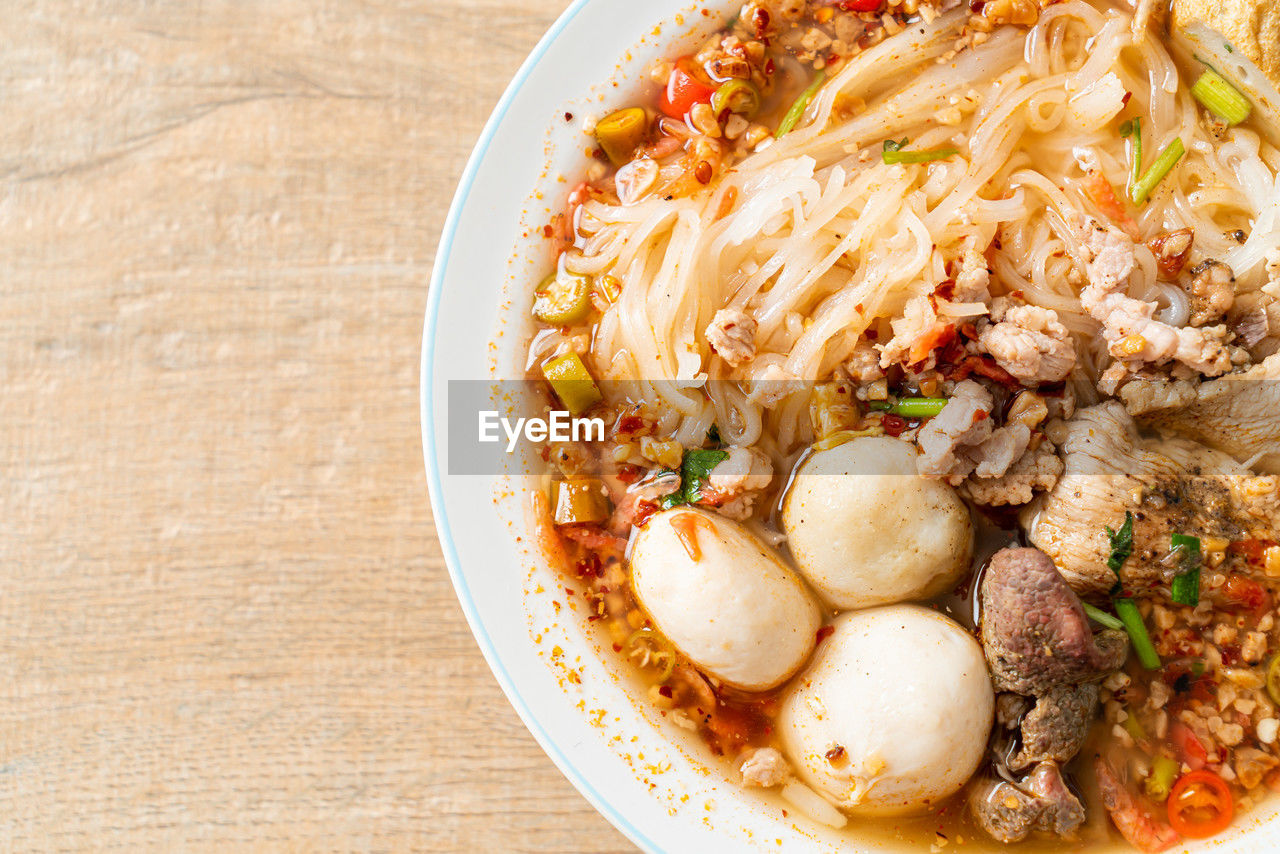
(434, 486)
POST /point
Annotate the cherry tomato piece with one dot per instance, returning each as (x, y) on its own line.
(860, 5)
(684, 90)
(1200, 804)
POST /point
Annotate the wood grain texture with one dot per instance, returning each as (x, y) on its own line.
(224, 618)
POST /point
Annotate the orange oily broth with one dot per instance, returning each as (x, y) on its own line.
(750, 717)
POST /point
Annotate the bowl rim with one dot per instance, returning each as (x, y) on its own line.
(435, 487)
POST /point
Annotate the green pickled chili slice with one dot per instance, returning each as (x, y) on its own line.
(580, 500)
(562, 299)
(572, 383)
(736, 96)
(620, 134)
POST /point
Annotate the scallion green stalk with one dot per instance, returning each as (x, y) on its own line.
(928, 156)
(1132, 130)
(1185, 588)
(1129, 616)
(1221, 98)
(1161, 167)
(1101, 617)
(793, 116)
(919, 407)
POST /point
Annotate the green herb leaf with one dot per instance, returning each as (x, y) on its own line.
(1121, 548)
(1121, 544)
(890, 145)
(696, 468)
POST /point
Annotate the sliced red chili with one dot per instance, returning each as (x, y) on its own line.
(1200, 804)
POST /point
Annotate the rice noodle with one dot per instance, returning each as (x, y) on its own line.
(829, 242)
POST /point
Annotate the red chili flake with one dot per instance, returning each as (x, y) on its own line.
(617, 647)
(592, 618)
(629, 474)
(547, 231)
(871, 335)
(825, 632)
(983, 366)
(590, 565)
(859, 308)
(568, 117)
(665, 691)
(644, 510)
(835, 754)
(894, 425)
(946, 289)
(769, 68)
(760, 20)
(1127, 96)
(569, 591)
(833, 58)
(628, 424)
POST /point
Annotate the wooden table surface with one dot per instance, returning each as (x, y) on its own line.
(225, 623)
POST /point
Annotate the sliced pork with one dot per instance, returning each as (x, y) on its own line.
(1171, 486)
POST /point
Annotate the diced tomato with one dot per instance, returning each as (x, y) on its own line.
(1099, 189)
(939, 335)
(1200, 804)
(1246, 593)
(684, 89)
(860, 5)
(1189, 748)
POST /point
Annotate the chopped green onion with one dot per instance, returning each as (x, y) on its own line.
(1161, 167)
(1132, 131)
(919, 407)
(1163, 773)
(793, 116)
(1185, 589)
(1101, 617)
(1127, 611)
(910, 407)
(899, 156)
(1221, 98)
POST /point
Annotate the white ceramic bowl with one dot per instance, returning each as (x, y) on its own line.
(661, 788)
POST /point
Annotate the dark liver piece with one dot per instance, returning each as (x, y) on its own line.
(1034, 631)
